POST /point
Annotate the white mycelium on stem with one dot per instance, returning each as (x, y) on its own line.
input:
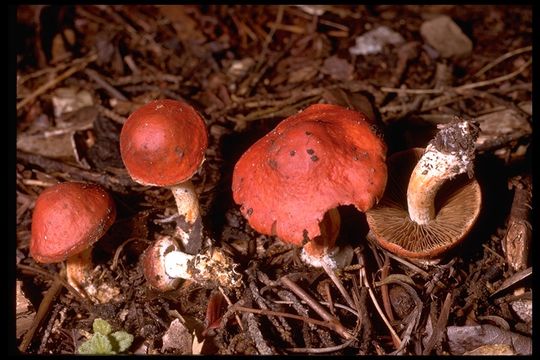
(166, 260)
(450, 153)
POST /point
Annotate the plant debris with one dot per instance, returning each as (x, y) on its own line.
(82, 70)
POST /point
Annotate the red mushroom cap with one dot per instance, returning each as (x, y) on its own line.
(68, 218)
(311, 162)
(163, 143)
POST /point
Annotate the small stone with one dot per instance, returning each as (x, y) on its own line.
(177, 338)
(445, 36)
(372, 42)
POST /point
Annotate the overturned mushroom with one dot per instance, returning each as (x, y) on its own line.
(290, 182)
(68, 219)
(429, 205)
(163, 144)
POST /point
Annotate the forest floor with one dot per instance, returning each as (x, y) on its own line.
(82, 70)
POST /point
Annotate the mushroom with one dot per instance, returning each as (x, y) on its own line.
(291, 181)
(429, 205)
(163, 144)
(68, 219)
(165, 265)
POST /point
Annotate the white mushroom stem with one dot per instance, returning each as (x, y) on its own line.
(176, 264)
(322, 249)
(169, 263)
(190, 225)
(449, 154)
(215, 268)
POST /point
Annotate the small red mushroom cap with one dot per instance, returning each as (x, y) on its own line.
(314, 161)
(163, 143)
(69, 218)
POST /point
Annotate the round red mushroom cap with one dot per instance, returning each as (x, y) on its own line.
(314, 161)
(163, 143)
(68, 218)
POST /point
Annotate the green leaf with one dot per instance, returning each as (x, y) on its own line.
(121, 340)
(97, 345)
(102, 327)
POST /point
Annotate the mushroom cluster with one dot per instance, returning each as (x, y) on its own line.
(290, 182)
(163, 143)
(429, 205)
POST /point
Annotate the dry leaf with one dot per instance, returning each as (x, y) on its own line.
(25, 311)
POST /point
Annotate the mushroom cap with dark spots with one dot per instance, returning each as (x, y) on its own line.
(314, 161)
(458, 204)
(163, 143)
(69, 218)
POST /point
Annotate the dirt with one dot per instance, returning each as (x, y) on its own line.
(81, 70)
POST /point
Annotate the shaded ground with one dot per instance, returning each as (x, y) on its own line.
(82, 70)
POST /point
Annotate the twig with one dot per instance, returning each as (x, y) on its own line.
(384, 289)
(406, 53)
(502, 58)
(410, 265)
(322, 350)
(283, 328)
(461, 88)
(94, 75)
(111, 114)
(40, 315)
(327, 324)
(117, 183)
(338, 327)
(338, 305)
(48, 70)
(231, 304)
(54, 277)
(440, 326)
(338, 284)
(502, 141)
(156, 318)
(48, 85)
(119, 250)
(364, 280)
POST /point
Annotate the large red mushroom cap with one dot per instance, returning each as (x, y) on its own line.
(163, 143)
(314, 161)
(69, 218)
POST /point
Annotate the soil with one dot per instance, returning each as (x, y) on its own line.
(81, 70)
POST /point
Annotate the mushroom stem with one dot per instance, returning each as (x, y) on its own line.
(212, 267)
(322, 248)
(176, 264)
(450, 153)
(78, 270)
(164, 264)
(189, 227)
(329, 226)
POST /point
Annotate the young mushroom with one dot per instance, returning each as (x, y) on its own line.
(291, 181)
(163, 144)
(68, 219)
(165, 265)
(429, 205)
